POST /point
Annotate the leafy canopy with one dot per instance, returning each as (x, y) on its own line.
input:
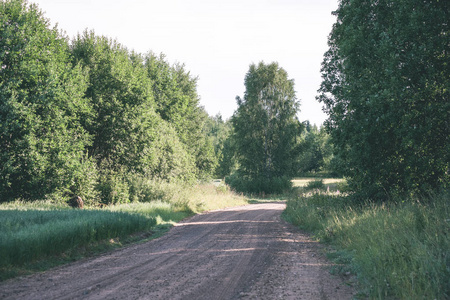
(86, 117)
(386, 85)
(128, 133)
(42, 140)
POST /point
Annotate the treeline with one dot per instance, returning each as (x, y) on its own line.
(87, 117)
(90, 118)
(313, 157)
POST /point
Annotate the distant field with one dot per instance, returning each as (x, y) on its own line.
(301, 182)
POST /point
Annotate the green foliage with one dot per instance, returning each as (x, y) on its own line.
(121, 95)
(177, 102)
(112, 185)
(144, 189)
(265, 126)
(175, 94)
(315, 151)
(397, 250)
(128, 133)
(219, 132)
(84, 182)
(206, 161)
(42, 141)
(385, 87)
(228, 159)
(315, 184)
(167, 157)
(89, 117)
(259, 185)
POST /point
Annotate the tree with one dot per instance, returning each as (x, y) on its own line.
(386, 80)
(265, 128)
(121, 96)
(315, 150)
(129, 135)
(177, 101)
(42, 141)
(220, 134)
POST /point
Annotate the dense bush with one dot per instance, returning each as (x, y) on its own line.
(113, 185)
(315, 184)
(85, 182)
(315, 151)
(177, 102)
(145, 189)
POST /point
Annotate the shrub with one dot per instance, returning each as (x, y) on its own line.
(113, 186)
(85, 180)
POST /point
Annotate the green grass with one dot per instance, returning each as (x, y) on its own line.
(28, 236)
(39, 235)
(397, 250)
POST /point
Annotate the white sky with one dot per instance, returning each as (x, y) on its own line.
(217, 40)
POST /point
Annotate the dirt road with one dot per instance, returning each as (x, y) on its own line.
(238, 253)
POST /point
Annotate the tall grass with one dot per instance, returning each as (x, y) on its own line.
(207, 197)
(40, 232)
(397, 250)
(28, 235)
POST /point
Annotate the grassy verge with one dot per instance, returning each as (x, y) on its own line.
(39, 235)
(397, 250)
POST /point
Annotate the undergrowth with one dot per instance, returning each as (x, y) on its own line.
(397, 250)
